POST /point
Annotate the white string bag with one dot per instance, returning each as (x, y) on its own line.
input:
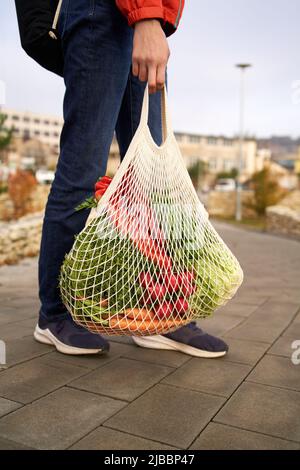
(148, 261)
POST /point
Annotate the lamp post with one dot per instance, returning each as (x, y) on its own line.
(238, 211)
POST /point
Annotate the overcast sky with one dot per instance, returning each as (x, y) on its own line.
(203, 83)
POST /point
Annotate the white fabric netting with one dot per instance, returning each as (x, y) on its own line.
(148, 260)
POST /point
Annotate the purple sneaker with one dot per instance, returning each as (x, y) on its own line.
(189, 339)
(69, 338)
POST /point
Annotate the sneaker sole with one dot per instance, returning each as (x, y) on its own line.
(160, 342)
(46, 337)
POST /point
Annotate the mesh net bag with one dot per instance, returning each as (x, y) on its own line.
(148, 261)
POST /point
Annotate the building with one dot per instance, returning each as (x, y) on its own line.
(222, 153)
(28, 125)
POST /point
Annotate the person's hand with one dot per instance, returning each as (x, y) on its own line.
(150, 53)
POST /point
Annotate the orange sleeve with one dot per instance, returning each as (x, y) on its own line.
(169, 11)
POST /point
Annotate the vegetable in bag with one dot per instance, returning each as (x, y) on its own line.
(149, 260)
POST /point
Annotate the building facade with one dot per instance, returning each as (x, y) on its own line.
(221, 154)
(28, 125)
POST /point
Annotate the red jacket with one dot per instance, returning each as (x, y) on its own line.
(169, 11)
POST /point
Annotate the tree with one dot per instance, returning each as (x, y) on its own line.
(20, 187)
(197, 171)
(228, 174)
(5, 134)
(267, 192)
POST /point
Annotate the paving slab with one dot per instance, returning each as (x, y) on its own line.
(216, 377)
(104, 438)
(7, 406)
(92, 361)
(220, 437)
(276, 312)
(155, 356)
(293, 330)
(282, 347)
(122, 378)
(276, 371)
(13, 331)
(21, 303)
(59, 419)
(23, 349)
(10, 315)
(10, 445)
(245, 352)
(246, 298)
(30, 380)
(241, 309)
(251, 331)
(269, 410)
(171, 415)
(220, 322)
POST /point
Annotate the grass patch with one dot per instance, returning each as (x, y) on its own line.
(259, 223)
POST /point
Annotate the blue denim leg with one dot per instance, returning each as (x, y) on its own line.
(101, 96)
(130, 113)
(97, 44)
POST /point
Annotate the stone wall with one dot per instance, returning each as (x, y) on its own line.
(20, 238)
(223, 204)
(284, 218)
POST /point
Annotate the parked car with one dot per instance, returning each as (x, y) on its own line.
(225, 184)
(44, 176)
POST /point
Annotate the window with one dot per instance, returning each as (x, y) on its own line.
(228, 165)
(178, 137)
(26, 119)
(55, 134)
(46, 134)
(228, 142)
(36, 132)
(195, 138)
(15, 117)
(212, 164)
(212, 141)
(46, 122)
(37, 121)
(55, 123)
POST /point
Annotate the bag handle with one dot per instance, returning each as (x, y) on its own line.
(165, 116)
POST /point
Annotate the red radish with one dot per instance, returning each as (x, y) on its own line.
(188, 289)
(188, 276)
(171, 281)
(146, 299)
(145, 279)
(181, 305)
(157, 291)
(164, 310)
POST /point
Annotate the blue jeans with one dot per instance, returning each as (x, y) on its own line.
(102, 96)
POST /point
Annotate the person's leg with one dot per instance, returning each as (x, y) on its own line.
(130, 113)
(97, 46)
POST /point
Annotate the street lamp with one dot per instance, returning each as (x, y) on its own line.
(238, 212)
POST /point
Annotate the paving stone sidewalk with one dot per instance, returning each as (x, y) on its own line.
(135, 398)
